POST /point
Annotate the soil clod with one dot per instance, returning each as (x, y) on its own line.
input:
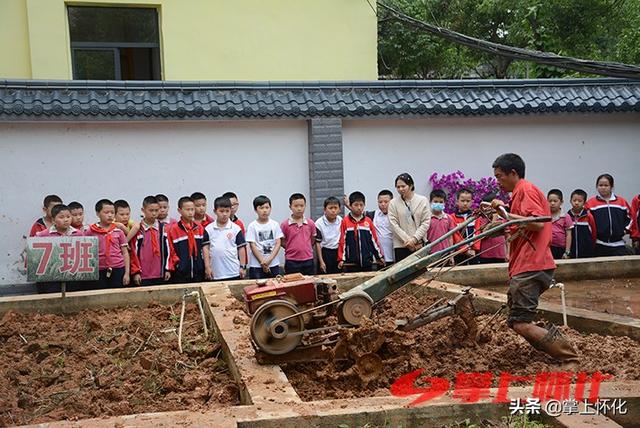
(100, 363)
(443, 349)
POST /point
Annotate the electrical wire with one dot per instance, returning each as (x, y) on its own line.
(604, 68)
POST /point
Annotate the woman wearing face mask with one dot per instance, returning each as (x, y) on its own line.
(409, 217)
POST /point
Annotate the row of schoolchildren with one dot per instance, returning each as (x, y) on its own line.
(158, 248)
(198, 247)
(592, 226)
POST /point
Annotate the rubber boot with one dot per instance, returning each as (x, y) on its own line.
(557, 345)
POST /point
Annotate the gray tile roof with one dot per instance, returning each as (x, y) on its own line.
(158, 100)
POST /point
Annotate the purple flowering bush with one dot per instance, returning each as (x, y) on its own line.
(455, 181)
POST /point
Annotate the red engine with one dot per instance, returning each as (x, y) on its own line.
(296, 288)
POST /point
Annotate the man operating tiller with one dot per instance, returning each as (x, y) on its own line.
(531, 264)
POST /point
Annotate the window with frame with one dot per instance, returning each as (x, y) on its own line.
(114, 43)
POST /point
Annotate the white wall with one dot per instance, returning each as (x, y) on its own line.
(90, 161)
(563, 151)
(87, 162)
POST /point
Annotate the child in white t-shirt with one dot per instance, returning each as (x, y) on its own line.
(225, 253)
(264, 238)
(328, 237)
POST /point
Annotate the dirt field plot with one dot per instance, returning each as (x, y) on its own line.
(441, 350)
(100, 363)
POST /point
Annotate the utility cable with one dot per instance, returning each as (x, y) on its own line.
(605, 68)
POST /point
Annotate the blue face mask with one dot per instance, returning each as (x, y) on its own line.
(437, 206)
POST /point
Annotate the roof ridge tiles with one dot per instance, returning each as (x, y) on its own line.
(127, 100)
(289, 85)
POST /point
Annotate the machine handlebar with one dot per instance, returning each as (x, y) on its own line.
(416, 264)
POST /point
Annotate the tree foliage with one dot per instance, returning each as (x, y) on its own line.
(607, 30)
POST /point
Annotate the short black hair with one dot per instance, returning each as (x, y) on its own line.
(556, 192)
(260, 200)
(331, 200)
(437, 193)
(407, 179)
(148, 200)
(609, 178)
(50, 199)
(183, 200)
(508, 162)
(75, 206)
(120, 203)
(229, 195)
(197, 195)
(386, 192)
(296, 196)
(461, 191)
(162, 198)
(579, 192)
(102, 202)
(356, 197)
(221, 202)
(59, 208)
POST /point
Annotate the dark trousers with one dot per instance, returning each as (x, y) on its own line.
(330, 257)
(179, 278)
(353, 268)
(233, 278)
(152, 281)
(401, 253)
(524, 293)
(49, 287)
(582, 254)
(258, 273)
(483, 260)
(56, 287)
(376, 267)
(305, 267)
(463, 259)
(113, 281)
(605, 251)
(557, 252)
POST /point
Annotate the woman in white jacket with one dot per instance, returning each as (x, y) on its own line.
(409, 216)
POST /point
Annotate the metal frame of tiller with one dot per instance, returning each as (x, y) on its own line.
(281, 332)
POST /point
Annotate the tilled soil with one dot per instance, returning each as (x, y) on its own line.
(100, 363)
(441, 350)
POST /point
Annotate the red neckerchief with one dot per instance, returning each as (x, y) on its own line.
(155, 246)
(154, 243)
(193, 250)
(107, 232)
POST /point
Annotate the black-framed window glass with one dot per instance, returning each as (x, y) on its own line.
(120, 43)
(96, 64)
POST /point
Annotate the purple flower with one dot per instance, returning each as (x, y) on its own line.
(453, 182)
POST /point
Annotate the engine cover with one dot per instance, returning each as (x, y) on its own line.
(298, 289)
